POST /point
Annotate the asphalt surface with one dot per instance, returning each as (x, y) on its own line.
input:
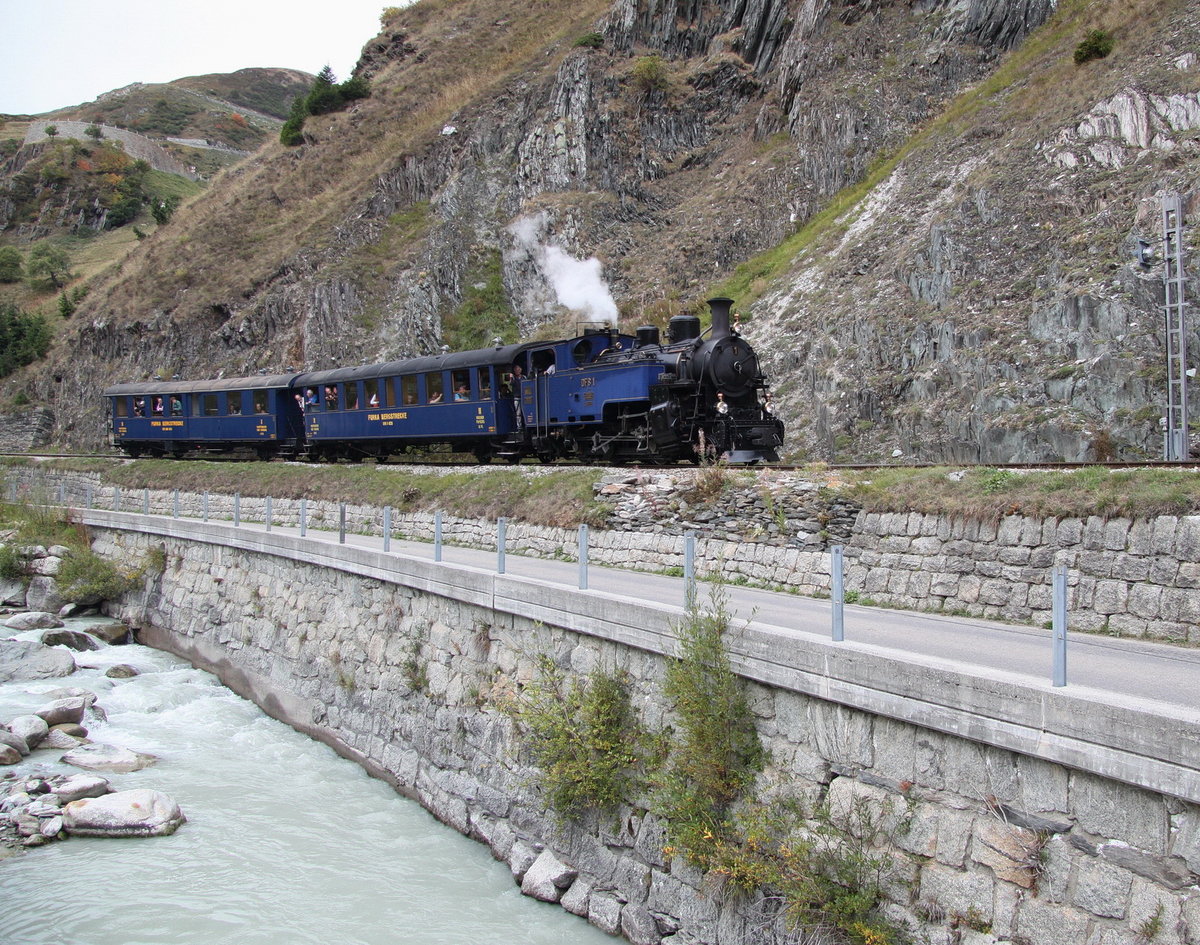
(1157, 672)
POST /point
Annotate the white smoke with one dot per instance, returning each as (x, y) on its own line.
(578, 284)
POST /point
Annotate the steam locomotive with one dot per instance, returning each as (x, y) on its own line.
(601, 397)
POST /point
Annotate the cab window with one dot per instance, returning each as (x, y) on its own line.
(434, 388)
(210, 404)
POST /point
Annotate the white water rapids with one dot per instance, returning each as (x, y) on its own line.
(286, 843)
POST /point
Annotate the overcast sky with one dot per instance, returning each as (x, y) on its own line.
(58, 53)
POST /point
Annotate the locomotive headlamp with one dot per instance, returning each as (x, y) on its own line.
(722, 407)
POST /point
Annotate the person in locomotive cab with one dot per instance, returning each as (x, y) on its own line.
(518, 375)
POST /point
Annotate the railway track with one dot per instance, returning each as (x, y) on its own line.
(1193, 466)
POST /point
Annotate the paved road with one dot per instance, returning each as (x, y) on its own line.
(1132, 668)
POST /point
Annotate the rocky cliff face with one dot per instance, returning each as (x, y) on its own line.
(977, 302)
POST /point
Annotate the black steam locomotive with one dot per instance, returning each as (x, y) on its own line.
(602, 397)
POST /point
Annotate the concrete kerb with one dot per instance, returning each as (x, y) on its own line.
(1147, 745)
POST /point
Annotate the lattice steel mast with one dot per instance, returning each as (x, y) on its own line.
(1176, 438)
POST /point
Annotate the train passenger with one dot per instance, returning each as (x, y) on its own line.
(139, 407)
(310, 396)
(300, 403)
(176, 406)
(462, 393)
(158, 406)
(331, 398)
(435, 397)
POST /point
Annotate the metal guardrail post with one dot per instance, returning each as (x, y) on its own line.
(387, 529)
(175, 505)
(303, 517)
(583, 557)
(341, 523)
(206, 506)
(269, 513)
(237, 509)
(437, 535)
(689, 570)
(837, 591)
(145, 501)
(1059, 624)
(501, 537)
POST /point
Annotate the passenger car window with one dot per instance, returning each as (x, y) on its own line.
(434, 391)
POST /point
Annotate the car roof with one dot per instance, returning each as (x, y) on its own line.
(257, 382)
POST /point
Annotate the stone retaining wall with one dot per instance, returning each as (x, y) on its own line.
(1133, 578)
(986, 845)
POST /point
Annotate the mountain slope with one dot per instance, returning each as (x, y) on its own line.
(684, 145)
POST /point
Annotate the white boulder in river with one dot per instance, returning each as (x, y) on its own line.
(24, 659)
(139, 813)
(108, 758)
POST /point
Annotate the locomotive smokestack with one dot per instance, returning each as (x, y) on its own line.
(720, 317)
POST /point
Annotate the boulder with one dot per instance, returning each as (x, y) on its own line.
(110, 631)
(24, 659)
(78, 786)
(121, 671)
(43, 594)
(70, 728)
(48, 566)
(138, 813)
(546, 879)
(9, 755)
(13, 741)
(71, 639)
(29, 727)
(62, 711)
(108, 758)
(59, 739)
(12, 593)
(33, 620)
(59, 551)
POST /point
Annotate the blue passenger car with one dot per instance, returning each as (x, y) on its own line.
(461, 402)
(173, 418)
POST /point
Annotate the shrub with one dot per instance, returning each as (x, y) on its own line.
(1096, 45)
(87, 578)
(650, 74)
(584, 737)
(12, 264)
(590, 41)
(23, 338)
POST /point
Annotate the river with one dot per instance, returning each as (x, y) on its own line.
(286, 842)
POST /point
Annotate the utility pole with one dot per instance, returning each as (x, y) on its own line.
(1176, 433)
